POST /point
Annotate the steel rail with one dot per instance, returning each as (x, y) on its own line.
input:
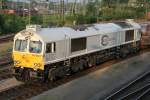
(126, 86)
(143, 94)
(137, 93)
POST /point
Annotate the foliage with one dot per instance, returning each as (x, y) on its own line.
(11, 23)
(80, 19)
(110, 3)
(109, 14)
(1, 24)
(94, 10)
(4, 6)
(91, 9)
(36, 19)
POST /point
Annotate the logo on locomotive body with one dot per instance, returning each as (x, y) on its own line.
(26, 34)
(105, 40)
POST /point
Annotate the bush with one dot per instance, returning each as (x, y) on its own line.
(11, 23)
(36, 19)
(120, 13)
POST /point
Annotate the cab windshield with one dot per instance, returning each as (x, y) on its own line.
(35, 47)
(21, 45)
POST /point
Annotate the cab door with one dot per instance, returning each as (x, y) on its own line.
(50, 51)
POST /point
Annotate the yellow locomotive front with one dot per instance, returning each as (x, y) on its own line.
(28, 50)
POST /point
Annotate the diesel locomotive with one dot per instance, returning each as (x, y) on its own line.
(52, 53)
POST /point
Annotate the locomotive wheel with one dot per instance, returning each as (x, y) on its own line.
(92, 62)
(81, 67)
(124, 55)
(46, 72)
(18, 77)
(26, 74)
(98, 61)
(17, 74)
(124, 52)
(74, 69)
(52, 75)
(117, 56)
(77, 67)
(61, 71)
(135, 51)
(68, 71)
(85, 64)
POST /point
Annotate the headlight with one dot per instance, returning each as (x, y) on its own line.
(37, 64)
(16, 62)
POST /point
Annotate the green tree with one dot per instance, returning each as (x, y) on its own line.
(112, 2)
(91, 9)
(36, 19)
(1, 24)
(4, 4)
(11, 23)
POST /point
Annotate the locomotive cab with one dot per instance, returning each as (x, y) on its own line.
(28, 52)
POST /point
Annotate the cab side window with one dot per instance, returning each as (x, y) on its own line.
(51, 47)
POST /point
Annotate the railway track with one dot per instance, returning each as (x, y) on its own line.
(5, 59)
(36, 87)
(6, 38)
(5, 67)
(4, 62)
(136, 90)
(5, 74)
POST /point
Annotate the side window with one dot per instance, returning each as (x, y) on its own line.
(129, 35)
(51, 47)
(78, 44)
